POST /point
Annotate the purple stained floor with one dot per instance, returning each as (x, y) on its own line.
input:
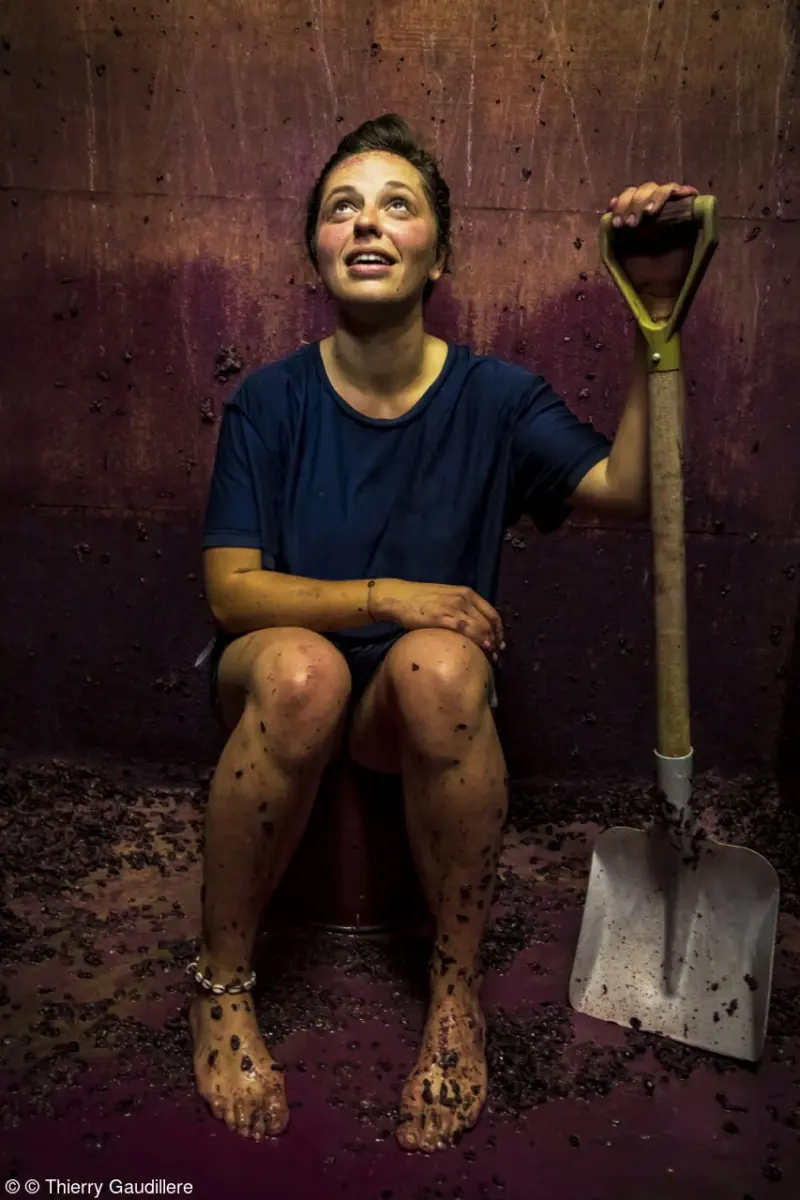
(96, 1076)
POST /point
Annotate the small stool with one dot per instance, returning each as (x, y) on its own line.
(353, 870)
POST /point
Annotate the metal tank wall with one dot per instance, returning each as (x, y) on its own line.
(156, 159)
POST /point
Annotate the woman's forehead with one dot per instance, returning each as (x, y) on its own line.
(373, 171)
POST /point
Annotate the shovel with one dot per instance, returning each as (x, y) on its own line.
(678, 930)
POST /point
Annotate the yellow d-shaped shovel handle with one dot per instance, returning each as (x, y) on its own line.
(700, 211)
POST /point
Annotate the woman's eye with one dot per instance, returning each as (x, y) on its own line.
(341, 206)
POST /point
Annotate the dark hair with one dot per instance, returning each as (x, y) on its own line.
(392, 135)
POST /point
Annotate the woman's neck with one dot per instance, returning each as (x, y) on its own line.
(380, 361)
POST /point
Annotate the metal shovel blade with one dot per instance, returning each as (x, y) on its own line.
(681, 945)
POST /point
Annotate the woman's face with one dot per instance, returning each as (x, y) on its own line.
(375, 204)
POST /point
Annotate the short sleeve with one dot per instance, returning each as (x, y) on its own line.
(243, 499)
(552, 450)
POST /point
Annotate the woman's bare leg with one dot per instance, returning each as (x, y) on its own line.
(434, 688)
(285, 691)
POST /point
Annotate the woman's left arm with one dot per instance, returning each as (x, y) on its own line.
(619, 485)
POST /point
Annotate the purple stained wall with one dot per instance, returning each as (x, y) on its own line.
(155, 165)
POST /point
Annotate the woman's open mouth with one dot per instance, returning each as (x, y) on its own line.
(369, 264)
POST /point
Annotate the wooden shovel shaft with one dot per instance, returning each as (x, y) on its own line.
(690, 221)
(669, 569)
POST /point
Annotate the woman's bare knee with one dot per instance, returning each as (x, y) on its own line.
(437, 674)
(300, 673)
(294, 681)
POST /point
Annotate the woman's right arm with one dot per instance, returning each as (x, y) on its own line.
(243, 598)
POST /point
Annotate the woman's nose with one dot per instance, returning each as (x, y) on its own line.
(367, 220)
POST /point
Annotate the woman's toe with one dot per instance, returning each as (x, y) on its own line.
(276, 1118)
(407, 1137)
(243, 1115)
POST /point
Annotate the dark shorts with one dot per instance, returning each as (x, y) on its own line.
(362, 657)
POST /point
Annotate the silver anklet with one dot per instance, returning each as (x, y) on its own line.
(219, 989)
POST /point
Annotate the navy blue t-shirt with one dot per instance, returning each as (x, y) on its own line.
(328, 493)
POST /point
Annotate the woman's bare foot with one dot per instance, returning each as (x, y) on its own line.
(445, 1092)
(235, 1073)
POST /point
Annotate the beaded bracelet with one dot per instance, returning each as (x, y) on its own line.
(219, 989)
